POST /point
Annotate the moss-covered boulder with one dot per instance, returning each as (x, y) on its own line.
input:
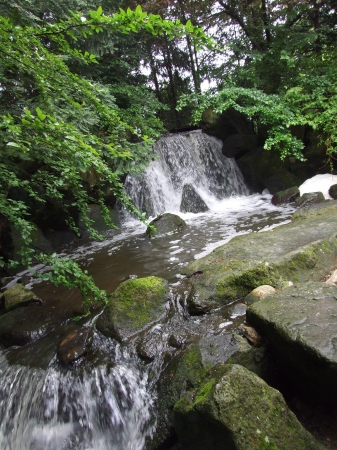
(234, 409)
(300, 323)
(18, 295)
(165, 224)
(189, 368)
(135, 304)
(286, 196)
(300, 251)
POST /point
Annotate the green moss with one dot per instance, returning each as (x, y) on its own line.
(240, 285)
(135, 299)
(268, 446)
(203, 391)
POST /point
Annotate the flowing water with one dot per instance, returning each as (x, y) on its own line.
(107, 400)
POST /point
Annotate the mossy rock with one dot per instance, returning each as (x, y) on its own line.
(18, 295)
(135, 304)
(165, 224)
(286, 196)
(234, 409)
(300, 251)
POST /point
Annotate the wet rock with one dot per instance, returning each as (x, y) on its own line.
(176, 341)
(165, 224)
(135, 304)
(303, 250)
(191, 201)
(152, 344)
(251, 335)
(259, 293)
(301, 325)
(237, 310)
(235, 409)
(18, 296)
(309, 199)
(75, 345)
(333, 191)
(287, 196)
(24, 325)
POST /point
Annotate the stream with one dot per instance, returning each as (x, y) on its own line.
(107, 400)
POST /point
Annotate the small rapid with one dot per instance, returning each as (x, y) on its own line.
(107, 401)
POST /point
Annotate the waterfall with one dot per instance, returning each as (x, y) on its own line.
(106, 407)
(192, 159)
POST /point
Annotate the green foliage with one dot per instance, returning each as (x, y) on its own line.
(58, 125)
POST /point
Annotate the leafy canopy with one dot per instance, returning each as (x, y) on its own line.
(57, 125)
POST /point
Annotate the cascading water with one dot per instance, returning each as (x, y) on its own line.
(106, 407)
(107, 402)
(186, 159)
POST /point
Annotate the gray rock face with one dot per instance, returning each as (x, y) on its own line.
(300, 251)
(164, 224)
(300, 323)
(135, 304)
(191, 201)
(234, 409)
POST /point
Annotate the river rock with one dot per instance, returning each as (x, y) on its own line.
(191, 201)
(189, 367)
(259, 293)
(135, 304)
(165, 224)
(303, 250)
(287, 196)
(234, 409)
(301, 325)
(309, 198)
(333, 191)
(75, 345)
(24, 325)
(18, 295)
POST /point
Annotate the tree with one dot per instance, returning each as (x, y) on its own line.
(57, 124)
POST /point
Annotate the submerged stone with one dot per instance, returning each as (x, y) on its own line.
(234, 409)
(135, 304)
(191, 201)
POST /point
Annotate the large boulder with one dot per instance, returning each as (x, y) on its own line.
(280, 181)
(303, 250)
(259, 165)
(191, 201)
(135, 304)
(300, 323)
(234, 409)
(165, 224)
(236, 145)
(189, 368)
